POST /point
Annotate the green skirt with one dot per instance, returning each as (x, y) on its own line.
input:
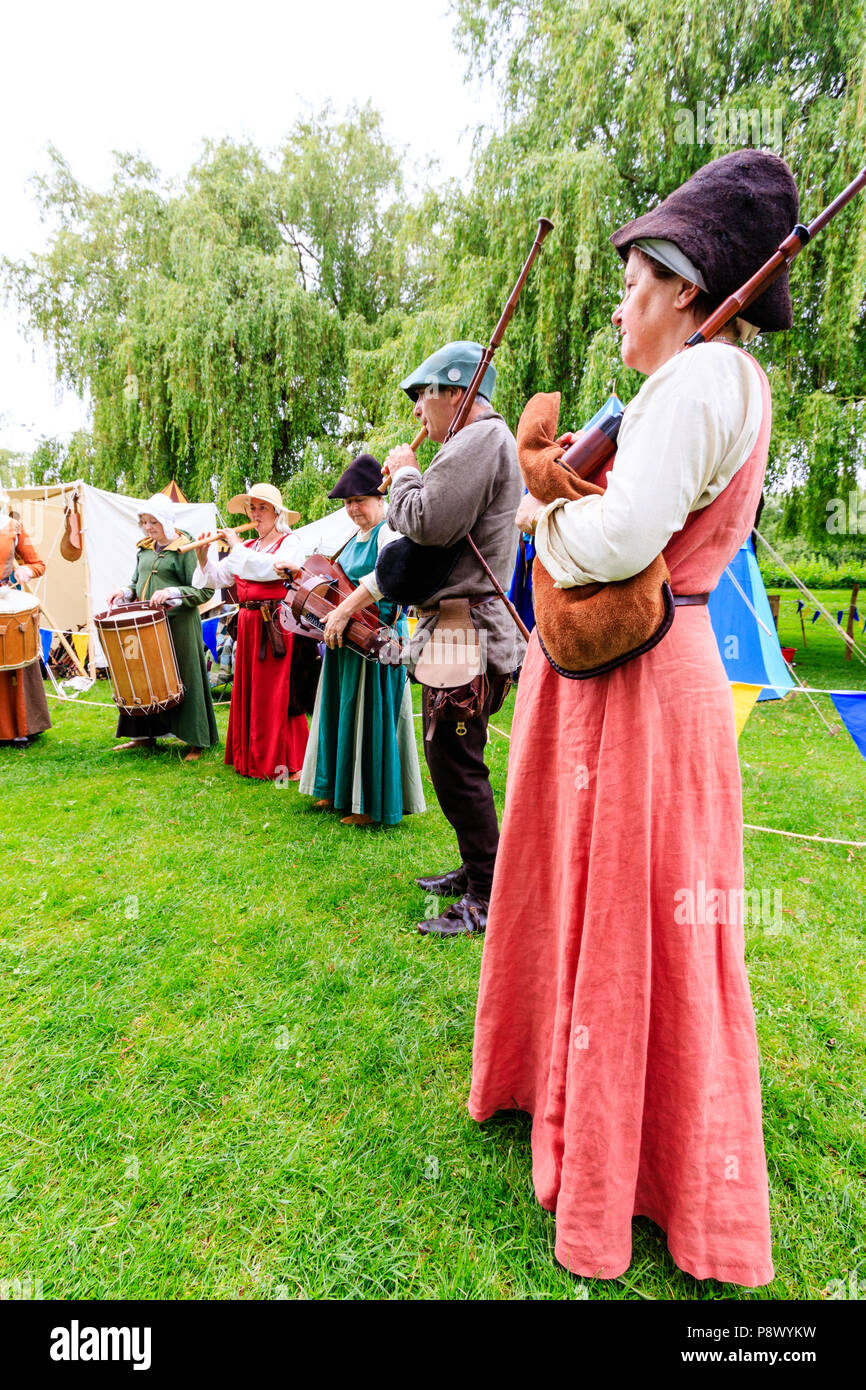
(362, 754)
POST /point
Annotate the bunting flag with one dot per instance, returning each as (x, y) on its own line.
(45, 636)
(208, 632)
(815, 616)
(744, 697)
(81, 641)
(800, 605)
(852, 711)
(839, 616)
(520, 591)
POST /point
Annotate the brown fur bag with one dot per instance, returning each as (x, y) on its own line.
(592, 628)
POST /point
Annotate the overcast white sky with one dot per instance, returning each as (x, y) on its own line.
(92, 77)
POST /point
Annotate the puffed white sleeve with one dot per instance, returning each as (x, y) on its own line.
(214, 573)
(692, 425)
(258, 565)
(385, 537)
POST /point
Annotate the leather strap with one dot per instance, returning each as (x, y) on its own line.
(271, 632)
(473, 603)
(686, 600)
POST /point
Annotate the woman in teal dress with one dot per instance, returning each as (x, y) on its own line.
(163, 576)
(362, 758)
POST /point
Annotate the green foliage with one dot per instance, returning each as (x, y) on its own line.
(56, 461)
(596, 100)
(815, 571)
(258, 318)
(209, 322)
(14, 468)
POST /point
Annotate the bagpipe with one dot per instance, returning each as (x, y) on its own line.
(313, 593)
(591, 629)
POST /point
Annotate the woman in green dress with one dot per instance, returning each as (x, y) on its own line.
(162, 577)
(362, 758)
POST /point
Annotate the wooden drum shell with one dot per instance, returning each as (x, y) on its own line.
(19, 637)
(138, 647)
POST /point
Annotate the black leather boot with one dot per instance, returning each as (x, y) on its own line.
(446, 885)
(468, 917)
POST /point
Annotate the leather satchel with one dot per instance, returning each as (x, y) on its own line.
(450, 667)
(590, 629)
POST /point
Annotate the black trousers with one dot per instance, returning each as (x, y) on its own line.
(461, 781)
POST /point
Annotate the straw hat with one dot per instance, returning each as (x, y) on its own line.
(263, 492)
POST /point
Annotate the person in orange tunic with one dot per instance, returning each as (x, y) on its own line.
(614, 1003)
(23, 706)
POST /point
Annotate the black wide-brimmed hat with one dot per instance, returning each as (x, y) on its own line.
(728, 219)
(362, 478)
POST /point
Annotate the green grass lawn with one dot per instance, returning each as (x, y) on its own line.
(233, 1069)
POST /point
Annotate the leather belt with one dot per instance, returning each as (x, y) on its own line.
(473, 603)
(271, 632)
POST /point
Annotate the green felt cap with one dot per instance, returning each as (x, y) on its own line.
(453, 365)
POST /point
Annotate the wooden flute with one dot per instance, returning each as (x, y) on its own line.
(414, 446)
(206, 540)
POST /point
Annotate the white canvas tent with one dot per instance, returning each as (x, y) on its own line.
(326, 535)
(71, 592)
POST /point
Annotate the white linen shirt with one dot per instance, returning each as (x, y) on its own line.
(689, 429)
(245, 562)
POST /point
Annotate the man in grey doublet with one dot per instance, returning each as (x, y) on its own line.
(473, 486)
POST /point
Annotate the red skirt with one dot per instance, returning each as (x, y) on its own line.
(263, 740)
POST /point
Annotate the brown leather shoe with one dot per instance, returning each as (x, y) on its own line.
(323, 805)
(468, 917)
(449, 885)
(356, 818)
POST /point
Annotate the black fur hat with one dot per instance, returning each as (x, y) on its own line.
(362, 478)
(729, 218)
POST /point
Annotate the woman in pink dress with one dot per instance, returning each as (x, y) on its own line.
(614, 1003)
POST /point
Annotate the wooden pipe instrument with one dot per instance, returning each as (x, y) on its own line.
(414, 446)
(207, 540)
(464, 409)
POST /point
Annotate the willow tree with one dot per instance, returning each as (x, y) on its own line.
(209, 321)
(605, 107)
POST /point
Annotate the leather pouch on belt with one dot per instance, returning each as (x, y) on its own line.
(452, 653)
(451, 668)
(593, 628)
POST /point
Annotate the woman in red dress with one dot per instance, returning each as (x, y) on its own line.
(263, 739)
(614, 1003)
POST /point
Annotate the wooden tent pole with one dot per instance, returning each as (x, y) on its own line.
(69, 650)
(91, 626)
